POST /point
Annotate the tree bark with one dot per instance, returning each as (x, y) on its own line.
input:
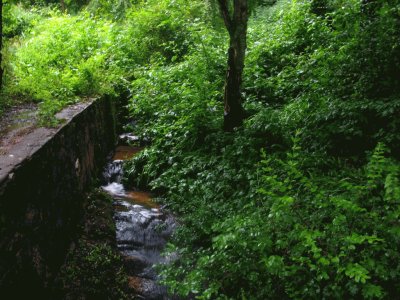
(63, 5)
(236, 24)
(1, 44)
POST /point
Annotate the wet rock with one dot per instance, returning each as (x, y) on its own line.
(135, 265)
(129, 244)
(149, 273)
(119, 208)
(126, 152)
(147, 288)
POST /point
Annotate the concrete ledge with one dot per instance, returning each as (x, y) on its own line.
(42, 185)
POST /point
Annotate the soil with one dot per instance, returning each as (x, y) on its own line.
(15, 123)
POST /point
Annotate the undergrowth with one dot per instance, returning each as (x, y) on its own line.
(93, 267)
(302, 202)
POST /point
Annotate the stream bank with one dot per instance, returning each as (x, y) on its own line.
(94, 268)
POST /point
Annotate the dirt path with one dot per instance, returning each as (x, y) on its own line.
(15, 123)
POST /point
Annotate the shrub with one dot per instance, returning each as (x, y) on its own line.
(301, 237)
(326, 75)
(62, 60)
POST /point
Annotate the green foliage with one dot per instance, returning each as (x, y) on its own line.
(313, 219)
(63, 59)
(160, 31)
(17, 19)
(66, 58)
(114, 9)
(327, 75)
(176, 98)
(315, 215)
(91, 274)
(300, 237)
(63, 53)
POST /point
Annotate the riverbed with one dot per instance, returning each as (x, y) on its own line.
(143, 228)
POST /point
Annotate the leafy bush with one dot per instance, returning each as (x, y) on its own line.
(62, 60)
(327, 76)
(66, 58)
(302, 237)
(312, 217)
(17, 19)
(159, 31)
(176, 104)
(114, 9)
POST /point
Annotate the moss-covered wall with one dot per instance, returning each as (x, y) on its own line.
(41, 200)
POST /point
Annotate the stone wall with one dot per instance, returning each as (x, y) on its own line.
(41, 198)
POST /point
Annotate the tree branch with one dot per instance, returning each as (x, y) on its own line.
(224, 8)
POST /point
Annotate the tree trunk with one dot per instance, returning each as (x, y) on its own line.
(63, 5)
(236, 25)
(1, 44)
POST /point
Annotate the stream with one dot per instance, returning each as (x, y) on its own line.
(142, 228)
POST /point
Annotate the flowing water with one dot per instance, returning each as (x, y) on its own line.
(142, 228)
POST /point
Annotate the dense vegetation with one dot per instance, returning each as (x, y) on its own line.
(300, 202)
